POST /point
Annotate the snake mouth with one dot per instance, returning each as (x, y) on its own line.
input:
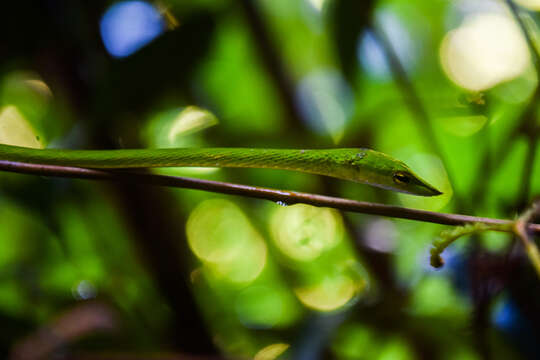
(427, 190)
(418, 188)
(435, 192)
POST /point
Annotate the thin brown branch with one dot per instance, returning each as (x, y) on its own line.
(284, 196)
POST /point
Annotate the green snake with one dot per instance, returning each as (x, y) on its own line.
(354, 164)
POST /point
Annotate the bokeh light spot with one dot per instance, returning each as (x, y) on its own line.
(327, 101)
(372, 56)
(242, 268)
(317, 5)
(84, 290)
(380, 235)
(39, 87)
(179, 128)
(271, 352)
(190, 120)
(303, 232)
(530, 4)
(220, 235)
(330, 293)
(484, 51)
(16, 130)
(31, 96)
(128, 26)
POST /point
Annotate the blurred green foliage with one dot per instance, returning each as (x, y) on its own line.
(199, 273)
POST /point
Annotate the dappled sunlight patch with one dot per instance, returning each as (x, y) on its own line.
(484, 51)
(16, 130)
(303, 232)
(220, 235)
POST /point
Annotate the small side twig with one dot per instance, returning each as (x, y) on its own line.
(520, 228)
(447, 237)
(284, 196)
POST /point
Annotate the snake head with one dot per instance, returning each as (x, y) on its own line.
(378, 169)
(408, 182)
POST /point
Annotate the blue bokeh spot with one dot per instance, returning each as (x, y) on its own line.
(128, 26)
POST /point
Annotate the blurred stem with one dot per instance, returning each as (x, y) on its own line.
(284, 196)
(272, 62)
(414, 103)
(532, 47)
(526, 126)
(528, 169)
(527, 121)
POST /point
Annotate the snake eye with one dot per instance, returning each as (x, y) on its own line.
(401, 178)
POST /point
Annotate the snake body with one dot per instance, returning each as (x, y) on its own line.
(355, 164)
